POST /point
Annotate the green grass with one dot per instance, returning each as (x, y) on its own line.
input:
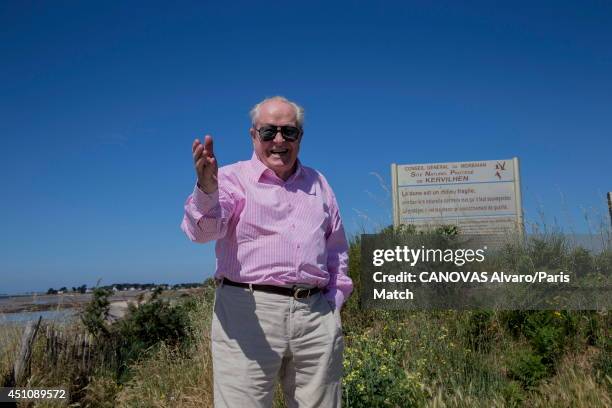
(392, 358)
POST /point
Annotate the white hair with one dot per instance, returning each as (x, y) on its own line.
(299, 111)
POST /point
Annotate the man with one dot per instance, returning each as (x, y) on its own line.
(281, 267)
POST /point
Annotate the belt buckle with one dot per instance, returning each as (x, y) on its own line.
(297, 291)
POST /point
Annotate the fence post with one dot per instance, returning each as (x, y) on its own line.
(610, 205)
(22, 364)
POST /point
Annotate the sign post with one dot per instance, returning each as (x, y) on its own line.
(610, 205)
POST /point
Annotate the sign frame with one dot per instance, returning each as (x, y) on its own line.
(517, 192)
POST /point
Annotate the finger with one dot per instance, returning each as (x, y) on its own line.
(197, 153)
(209, 165)
(200, 164)
(212, 163)
(195, 144)
(208, 145)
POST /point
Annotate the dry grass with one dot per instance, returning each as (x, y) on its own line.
(10, 338)
(433, 349)
(574, 386)
(170, 378)
(459, 399)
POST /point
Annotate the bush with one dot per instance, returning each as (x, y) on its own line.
(141, 329)
(374, 378)
(154, 321)
(548, 343)
(176, 378)
(96, 312)
(580, 262)
(514, 321)
(549, 333)
(513, 394)
(480, 330)
(527, 368)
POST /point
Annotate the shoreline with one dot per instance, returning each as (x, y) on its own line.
(43, 303)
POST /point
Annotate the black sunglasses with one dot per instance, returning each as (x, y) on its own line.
(268, 132)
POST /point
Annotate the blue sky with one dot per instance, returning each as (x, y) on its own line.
(99, 104)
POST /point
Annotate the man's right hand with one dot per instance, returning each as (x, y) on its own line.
(205, 164)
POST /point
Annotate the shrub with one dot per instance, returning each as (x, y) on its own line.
(580, 262)
(176, 378)
(141, 329)
(527, 368)
(548, 343)
(480, 330)
(373, 377)
(96, 312)
(146, 326)
(154, 321)
(513, 394)
(549, 333)
(514, 321)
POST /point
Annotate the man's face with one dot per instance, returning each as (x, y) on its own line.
(279, 155)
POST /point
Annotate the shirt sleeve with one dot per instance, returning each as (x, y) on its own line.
(340, 285)
(207, 215)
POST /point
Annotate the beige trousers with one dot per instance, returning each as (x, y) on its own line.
(258, 336)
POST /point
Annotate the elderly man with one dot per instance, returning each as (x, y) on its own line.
(281, 267)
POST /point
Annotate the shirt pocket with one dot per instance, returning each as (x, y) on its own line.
(257, 222)
(315, 218)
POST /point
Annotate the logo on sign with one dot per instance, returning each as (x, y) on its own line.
(500, 167)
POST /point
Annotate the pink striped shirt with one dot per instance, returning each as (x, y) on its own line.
(271, 231)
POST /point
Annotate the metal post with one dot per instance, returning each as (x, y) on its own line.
(518, 196)
(396, 208)
(610, 205)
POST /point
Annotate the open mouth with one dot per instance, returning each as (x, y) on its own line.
(279, 152)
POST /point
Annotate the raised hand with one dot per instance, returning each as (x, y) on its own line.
(205, 164)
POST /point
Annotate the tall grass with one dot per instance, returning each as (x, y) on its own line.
(574, 385)
(392, 358)
(10, 337)
(175, 378)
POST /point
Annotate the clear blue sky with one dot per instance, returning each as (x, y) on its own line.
(99, 104)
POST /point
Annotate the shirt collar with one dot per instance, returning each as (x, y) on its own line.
(258, 169)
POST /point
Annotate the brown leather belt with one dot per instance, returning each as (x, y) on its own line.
(296, 292)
